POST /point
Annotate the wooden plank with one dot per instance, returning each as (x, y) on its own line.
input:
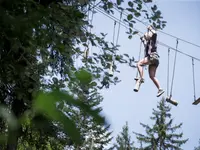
(137, 85)
(196, 102)
(169, 100)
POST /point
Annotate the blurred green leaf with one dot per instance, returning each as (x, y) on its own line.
(119, 2)
(126, 55)
(135, 32)
(110, 5)
(131, 25)
(154, 8)
(137, 14)
(93, 84)
(3, 139)
(130, 16)
(131, 9)
(9, 117)
(83, 76)
(46, 103)
(130, 4)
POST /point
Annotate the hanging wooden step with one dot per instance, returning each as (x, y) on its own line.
(138, 84)
(170, 100)
(196, 102)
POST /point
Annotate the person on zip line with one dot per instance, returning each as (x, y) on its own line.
(151, 58)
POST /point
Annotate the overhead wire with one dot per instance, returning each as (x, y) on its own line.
(126, 26)
(146, 24)
(117, 20)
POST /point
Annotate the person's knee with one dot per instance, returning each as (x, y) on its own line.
(151, 76)
(139, 64)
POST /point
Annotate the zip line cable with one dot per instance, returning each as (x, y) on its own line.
(116, 19)
(146, 24)
(165, 45)
(179, 39)
(160, 43)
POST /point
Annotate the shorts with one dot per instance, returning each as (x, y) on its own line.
(153, 59)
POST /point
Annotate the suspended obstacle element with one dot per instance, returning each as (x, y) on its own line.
(138, 79)
(111, 70)
(87, 50)
(169, 98)
(86, 53)
(196, 101)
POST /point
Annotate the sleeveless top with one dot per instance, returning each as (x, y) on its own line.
(151, 45)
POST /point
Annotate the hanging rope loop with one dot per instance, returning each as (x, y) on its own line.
(115, 44)
(193, 78)
(174, 68)
(168, 72)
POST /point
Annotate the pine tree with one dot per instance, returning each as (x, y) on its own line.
(162, 135)
(198, 147)
(95, 136)
(124, 140)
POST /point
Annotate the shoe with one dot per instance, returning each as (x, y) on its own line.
(160, 92)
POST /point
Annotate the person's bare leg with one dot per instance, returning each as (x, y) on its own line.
(152, 73)
(142, 62)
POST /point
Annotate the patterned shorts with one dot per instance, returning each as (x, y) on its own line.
(153, 59)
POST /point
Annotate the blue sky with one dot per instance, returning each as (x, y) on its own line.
(122, 104)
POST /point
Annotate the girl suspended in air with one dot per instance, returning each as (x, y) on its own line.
(151, 58)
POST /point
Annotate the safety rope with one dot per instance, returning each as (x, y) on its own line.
(174, 67)
(112, 62)
(114, 32)
(193, 79)
(119, 28)
(139, 56)
(168, 72)
(86, 52)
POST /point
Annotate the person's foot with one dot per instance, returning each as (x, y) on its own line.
(160, 92)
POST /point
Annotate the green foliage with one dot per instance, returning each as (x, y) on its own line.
(44, 95)
(124, 140)
(162, 134)
(198, 147)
